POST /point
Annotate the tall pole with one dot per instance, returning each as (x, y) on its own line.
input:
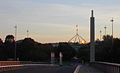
(112, 36)
(76, 29)
(15, 55)
(112, 26)
(100, 35)
(27, 33)
(112, 31)
(92, 37)
(105, 30)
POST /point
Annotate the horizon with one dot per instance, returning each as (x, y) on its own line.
(55, 21)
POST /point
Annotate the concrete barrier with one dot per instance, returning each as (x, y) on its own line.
(107, 67)
(9, 65)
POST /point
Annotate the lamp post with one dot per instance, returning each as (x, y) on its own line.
(112, 26)
(100, 34)
(15, 54)
(105, 30)
(112, 30)
(27, 33)
(112, 38)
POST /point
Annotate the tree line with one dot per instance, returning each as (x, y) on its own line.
(107, 50)
(27, 49)
(30, 50)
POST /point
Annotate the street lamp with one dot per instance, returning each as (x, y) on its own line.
(100, 34)
(112, 37)
(112, 30)
(112, 26)
(15, 55)
(27, 33)
(105, 30)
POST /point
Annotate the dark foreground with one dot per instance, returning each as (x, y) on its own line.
(44, 69)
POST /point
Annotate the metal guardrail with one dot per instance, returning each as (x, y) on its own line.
(9, 65)
(107, 67)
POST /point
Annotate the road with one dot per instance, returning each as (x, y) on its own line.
(44, 69)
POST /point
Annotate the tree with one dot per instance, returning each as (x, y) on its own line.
(67, 51)
(28, 49)
(9, 39)
(1, 41)
(9, 47)
(25, 49)
(108, 49)
(116, 51)
(1, 49)
(84, 52)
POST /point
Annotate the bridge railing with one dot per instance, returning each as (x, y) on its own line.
(107, 67)
(9, 65)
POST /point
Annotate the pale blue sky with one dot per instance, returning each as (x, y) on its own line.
(55, 20)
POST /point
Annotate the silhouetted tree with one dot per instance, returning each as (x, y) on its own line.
(9, 39)
(84, 52)
(108, 49)
(115, 52)
(67, 51)
(1, 41)
(9, 47)
(28, 49)
(25, 49)
(1, 49)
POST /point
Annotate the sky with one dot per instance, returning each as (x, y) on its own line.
(55, 20)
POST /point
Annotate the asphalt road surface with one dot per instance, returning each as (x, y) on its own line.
(44, 69)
